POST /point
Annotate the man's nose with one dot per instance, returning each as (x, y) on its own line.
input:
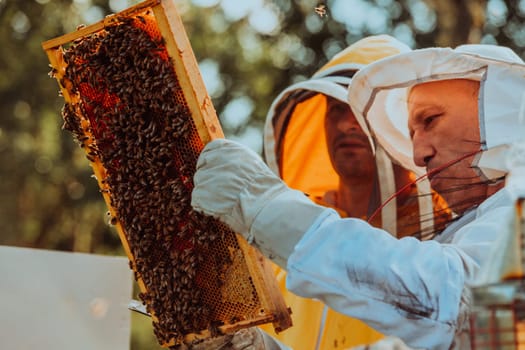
(346, 124)
(423, 151)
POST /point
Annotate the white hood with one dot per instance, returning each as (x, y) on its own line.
(378, 97)
(283, 104)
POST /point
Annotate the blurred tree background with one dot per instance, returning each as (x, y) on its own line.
(248, 51)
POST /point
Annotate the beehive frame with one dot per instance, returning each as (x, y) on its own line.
(270, 304)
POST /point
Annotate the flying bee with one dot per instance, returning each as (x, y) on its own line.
(321, 10)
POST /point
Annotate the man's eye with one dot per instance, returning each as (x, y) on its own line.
(430, 119)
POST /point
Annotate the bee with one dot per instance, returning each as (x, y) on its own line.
(113, 221)
(53, 72)
(321, 10)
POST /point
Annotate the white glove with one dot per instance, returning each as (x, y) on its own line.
(233, 184)
(244, 339)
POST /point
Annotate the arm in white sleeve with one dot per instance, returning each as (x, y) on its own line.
(407, 288)
(282, 223)
(366, 273)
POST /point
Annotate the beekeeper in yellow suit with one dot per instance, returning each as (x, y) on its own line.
(314, 143)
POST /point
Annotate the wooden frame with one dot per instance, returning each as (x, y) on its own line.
(208, 127)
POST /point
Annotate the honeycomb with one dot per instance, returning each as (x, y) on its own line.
(126, 106)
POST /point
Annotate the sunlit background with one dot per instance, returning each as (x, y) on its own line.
(247, 51)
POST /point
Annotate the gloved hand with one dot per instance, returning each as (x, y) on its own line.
(388, 343)
(244, 339)
(233, 184)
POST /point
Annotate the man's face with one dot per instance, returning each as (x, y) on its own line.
(444, 126)
(349, 148)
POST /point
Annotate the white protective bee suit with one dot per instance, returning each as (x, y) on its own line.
(411, 289)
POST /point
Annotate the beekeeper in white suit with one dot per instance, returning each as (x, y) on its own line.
(451, 113)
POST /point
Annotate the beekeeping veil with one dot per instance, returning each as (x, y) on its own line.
(379, 94)
(294, 135)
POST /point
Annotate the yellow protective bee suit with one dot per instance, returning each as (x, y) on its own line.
(295, 149)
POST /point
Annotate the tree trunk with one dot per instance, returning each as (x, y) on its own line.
(459, 21)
